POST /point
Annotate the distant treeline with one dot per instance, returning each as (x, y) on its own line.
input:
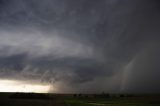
(103, 95)
(29, 96)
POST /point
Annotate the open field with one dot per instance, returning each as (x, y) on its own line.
(115, 101)
(31, 99)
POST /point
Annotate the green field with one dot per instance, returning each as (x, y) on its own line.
(115, 101)
(32, 99)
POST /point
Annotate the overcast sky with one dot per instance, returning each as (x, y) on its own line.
(87, 46)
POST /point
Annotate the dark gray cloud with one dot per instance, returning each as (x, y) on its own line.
(82, 46)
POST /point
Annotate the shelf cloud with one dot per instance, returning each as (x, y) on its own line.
(88, 46)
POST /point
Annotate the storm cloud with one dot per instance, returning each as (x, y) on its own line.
(87, 46)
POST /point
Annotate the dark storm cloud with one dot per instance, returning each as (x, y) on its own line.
(81, 46)
(143, 72)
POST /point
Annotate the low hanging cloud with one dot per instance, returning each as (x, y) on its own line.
(81, 46)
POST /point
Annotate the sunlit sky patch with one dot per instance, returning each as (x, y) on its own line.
(18, 86)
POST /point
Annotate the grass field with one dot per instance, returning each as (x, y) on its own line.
(31, 99)
(115, 101)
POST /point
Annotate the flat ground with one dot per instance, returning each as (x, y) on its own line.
(114, 101)
(31, 99)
